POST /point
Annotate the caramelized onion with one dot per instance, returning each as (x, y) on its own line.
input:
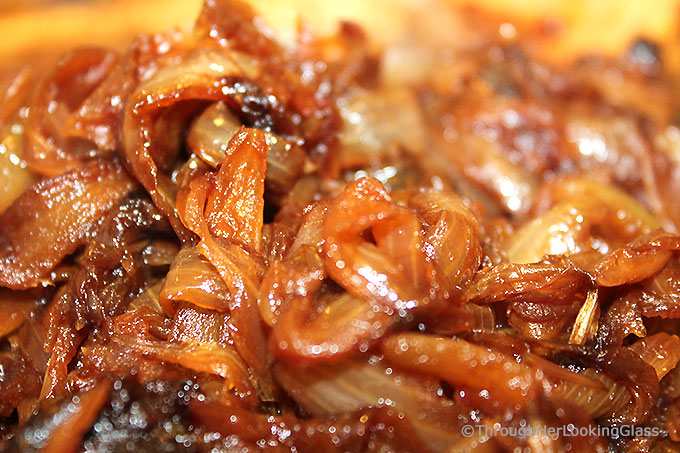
(325, 390)
(15, 308)
(661, 351)
(211, 132)
(582, 208)
(389, 276)
(597, 402)
(193, 279)
(452, 236)
(77, 419)
(13, 170)
(539, 282)
(464, 364)
(622, 318)
(215, 208)
(59, 94)
(206, 76)
(59, 212)
(309, 254)
(393, 272)
(375, 122)
(631, 387)
(641, 259)
(585, 325)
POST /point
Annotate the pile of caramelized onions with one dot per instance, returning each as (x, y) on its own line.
(216, 242)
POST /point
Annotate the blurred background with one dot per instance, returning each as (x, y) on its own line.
(566, 27)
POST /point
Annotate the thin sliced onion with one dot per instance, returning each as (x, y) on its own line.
(622, 318)
(75, 76)
(377, 122)
(15, 175)
(392, 273)
(15, 308)
(386, 281)
(581, 187)
(452, 236)
(355, 384)
(581, 208)
(205, 76)
(544, 282)
(211, 132)
(211, 358)
(235, 204)
(597, 402)
(215, 217)
(193, 279)
(464, 364)
(78, 417)
(661, 351)
(642, 258)
(50, 220)
(631, 387)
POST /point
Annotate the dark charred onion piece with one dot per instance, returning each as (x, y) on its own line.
(53, 218)
(58, 95)
(461, 363)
